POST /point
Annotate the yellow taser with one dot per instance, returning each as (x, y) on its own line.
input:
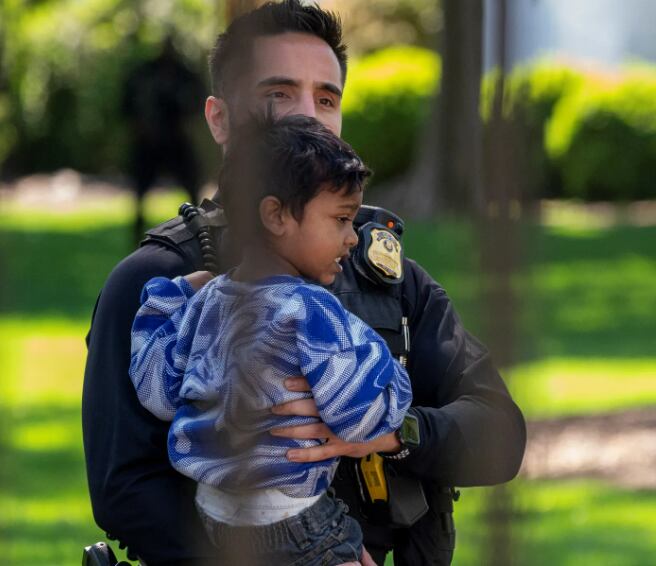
(373, 474)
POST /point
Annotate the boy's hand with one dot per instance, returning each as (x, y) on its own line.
(333, 446)
(198, 278)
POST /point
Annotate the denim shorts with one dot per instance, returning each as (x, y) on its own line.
(321, 535)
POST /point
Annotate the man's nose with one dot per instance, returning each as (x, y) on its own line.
(306, 106)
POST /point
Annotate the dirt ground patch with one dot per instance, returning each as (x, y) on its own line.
(616, 447)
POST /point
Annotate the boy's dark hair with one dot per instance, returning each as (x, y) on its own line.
(231, 51)
(292, 159)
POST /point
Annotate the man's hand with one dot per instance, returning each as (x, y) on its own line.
(198, 278)
(333, 446)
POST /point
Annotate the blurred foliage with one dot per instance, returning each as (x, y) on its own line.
(373, 25)
(603, 137)
(386, 101)
(64, 64)
(531, 89)
(578, 123)
(530, 95)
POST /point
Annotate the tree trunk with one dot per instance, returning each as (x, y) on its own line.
(500, 227)
(460, 146)
(446, 174)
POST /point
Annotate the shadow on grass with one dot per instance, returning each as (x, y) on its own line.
(58, 273)
(53, 542)
(563, 523)
(47, 468)
(46, 516)
(587, 294)
(601, 529)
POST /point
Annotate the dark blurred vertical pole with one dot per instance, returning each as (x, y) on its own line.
(499, 239)
(460, 121)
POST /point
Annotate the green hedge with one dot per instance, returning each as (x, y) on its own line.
(386, 101)
(592, 136)
(602, 137)
(534, 90)
(530, 95)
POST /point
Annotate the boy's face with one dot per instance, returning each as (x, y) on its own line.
(317, 243)
(296, 73)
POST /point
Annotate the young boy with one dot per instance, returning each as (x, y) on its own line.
(214, 361)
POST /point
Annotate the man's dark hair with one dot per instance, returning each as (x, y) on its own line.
(291, 158)
(231, 51)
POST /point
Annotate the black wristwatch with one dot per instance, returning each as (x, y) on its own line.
(408, 436)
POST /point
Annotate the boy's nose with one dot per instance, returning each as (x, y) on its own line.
(352, 238)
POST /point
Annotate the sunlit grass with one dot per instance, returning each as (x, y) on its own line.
(46, 359)
(565, 523)
(588, 304)
(566, 386)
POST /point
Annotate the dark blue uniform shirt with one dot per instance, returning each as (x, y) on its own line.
(472, 433)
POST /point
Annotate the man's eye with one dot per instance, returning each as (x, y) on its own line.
(276, 94)
(326, 102)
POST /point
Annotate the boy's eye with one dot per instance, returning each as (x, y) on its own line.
(344, 219)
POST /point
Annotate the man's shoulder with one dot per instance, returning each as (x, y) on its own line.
(148, 261)
(416, 276)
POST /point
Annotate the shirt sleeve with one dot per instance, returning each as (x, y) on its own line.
(158, 356)
(361, 391)
(472, 432)
(135, 494)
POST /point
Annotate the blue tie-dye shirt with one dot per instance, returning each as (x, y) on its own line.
(214, 363)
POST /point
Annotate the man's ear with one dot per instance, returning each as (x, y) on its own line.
(273, 216)
(216, 115)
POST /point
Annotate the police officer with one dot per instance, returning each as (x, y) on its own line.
(464, 429)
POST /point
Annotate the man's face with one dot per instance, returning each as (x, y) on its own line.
(296, 73)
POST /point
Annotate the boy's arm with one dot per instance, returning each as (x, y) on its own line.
(361, 391)
(157, 355)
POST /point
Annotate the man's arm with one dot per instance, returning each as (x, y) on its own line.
(472, 433)
(135, 493)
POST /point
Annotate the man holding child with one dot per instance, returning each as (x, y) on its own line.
(290, 58)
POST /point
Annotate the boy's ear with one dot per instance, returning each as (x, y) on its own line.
(273, 216)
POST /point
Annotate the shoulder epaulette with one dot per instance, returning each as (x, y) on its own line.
(180, 233)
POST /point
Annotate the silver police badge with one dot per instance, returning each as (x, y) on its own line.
(384, 253)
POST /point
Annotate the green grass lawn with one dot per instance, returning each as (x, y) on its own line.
(589, 347)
